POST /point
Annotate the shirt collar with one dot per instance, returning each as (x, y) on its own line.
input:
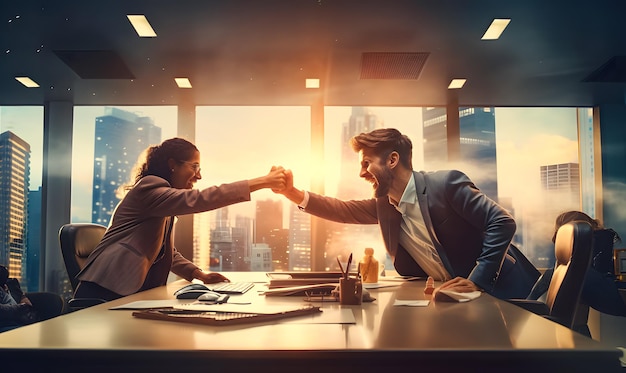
(409, 196)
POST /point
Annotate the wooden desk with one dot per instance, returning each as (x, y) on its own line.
(483, 335)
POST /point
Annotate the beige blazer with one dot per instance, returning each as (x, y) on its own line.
(131, 246)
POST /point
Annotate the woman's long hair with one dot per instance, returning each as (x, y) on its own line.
(154, 160)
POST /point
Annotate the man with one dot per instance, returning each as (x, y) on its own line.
(433, 224)
(13, 313)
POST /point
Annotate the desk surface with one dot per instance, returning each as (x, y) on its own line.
(486, 332)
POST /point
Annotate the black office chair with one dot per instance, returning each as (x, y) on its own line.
(78, 240)
(573, 247)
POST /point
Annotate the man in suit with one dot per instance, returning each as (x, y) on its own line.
(435, 224)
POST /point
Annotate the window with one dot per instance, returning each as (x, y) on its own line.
(21, 158)
(241, 143)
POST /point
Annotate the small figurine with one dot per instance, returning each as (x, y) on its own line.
(430, 285)
(368, 267)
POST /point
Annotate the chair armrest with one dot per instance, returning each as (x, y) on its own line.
(80, 303)
(47, 304)
(534, 306)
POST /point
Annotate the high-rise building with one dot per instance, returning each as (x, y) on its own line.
(361, 120)
(477, 145)
(14, 182)
(564, 177)
(560, 184)
(268, 228)
(33, 242)
(120, 138)
(344, 239)
(223, 254)
(299, 239)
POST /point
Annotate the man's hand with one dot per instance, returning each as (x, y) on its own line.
(458, 284)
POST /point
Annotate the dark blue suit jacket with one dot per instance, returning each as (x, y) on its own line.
(470, 231)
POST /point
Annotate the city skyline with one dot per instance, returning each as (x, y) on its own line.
(549, 135)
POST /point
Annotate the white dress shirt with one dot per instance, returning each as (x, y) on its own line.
(414, 236)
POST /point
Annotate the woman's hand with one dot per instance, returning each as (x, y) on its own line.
(275, 180)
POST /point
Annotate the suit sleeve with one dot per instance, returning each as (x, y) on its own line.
(487, 216)
(351, 212)
(160, 199)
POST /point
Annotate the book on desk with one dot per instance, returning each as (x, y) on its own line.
(223, 318)
(301, 283)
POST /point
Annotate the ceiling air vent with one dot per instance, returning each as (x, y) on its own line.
(612, 71)
(392, 65)
(96, 64)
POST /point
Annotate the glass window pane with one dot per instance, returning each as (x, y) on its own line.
(107, 142)
(538, 173)
(21, 158)
(268, 233)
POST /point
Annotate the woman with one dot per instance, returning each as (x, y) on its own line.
(599, 289)
(137, 251)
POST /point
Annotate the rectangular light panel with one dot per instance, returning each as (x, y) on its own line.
(457, 83)
(28, 82)
(312, 83)
(183, 82)
(496, 29)
(142, 26)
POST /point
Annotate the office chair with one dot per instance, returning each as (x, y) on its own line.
(77, 241)
(573, 248)
(47, 304)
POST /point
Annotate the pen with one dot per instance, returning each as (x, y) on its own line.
(343, 274)
(348, 266)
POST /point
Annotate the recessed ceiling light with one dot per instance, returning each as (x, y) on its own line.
(183, 82)
(312, 83)
(142, 26)
(457, 83)
(496, 28)
(28, 82)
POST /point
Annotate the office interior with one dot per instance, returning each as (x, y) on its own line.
(313, 57)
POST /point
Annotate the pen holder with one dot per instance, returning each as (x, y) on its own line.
(350, 291)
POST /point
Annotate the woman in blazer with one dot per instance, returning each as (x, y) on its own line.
(137, 251)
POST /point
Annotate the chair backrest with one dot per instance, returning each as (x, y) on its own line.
(77, 241)
(573, 248)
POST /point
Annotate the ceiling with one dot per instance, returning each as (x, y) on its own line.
(365, 52)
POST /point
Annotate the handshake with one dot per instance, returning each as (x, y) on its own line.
(280, 180)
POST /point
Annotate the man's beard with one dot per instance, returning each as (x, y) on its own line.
(384, 180)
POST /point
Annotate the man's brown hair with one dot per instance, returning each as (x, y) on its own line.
(382, 142)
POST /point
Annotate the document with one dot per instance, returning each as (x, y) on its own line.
(148, 304)
(412, 303)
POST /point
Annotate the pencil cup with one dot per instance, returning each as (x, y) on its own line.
(350, 291)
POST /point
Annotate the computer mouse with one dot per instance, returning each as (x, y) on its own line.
(191, 291)
(214, 297)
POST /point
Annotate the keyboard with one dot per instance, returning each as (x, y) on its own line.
(232, 287)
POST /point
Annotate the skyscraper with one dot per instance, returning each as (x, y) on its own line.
(223, 254)
(299, 239)
(268, 228)
(477, 145)
(560, 184)
(120, 138)
(33, 242)
(344, 239)
(14, 182)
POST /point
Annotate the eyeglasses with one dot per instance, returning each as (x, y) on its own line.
(194, 166)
